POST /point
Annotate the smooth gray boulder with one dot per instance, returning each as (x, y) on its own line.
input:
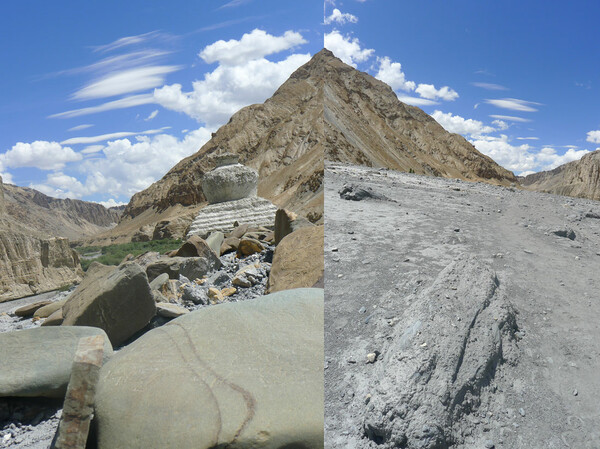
(236, 375)
(117, 300)
(37, 362)
(215, 240)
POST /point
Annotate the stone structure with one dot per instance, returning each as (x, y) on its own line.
(230, 189)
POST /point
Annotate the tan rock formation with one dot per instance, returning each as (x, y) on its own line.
(580, 178)
(31, 265)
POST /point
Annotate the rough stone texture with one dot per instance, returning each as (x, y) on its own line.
(249, 246)
(117, 300)
(390, 263)
(298, 260)
(31, 265)
(37, 362)
(30, 309)
(159, 281)
(287, 222)
(47, 310)
(171, 229)
(222, 216)
(198, 267)
(168, 310)
(144, 234)
(78, 408)
(579, 178)
(55, 319)
(259, 384)
(229, 183)
(196, 247)
(214, 241)
(165, 264)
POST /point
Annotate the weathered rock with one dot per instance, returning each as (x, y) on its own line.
(565, 232)
(259, 384)
(37, 362)
(357, 193)
(174, 228)
(229, 181)
(287, 222)
(165, 264)
(30, 309)
(194, 247)
(159, 281)
(78, 407)
(55, 319)
(168, 310)
(249, 246)
(117, 300)
(31, 265)
(214, 295)
(47, 310)
(228, 291)
(144, 234)
(230, 244)
(214, 241)
(198, 267)
(194, 294)
(239, 231)
(298, 260)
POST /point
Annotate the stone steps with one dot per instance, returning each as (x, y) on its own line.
(254, 211)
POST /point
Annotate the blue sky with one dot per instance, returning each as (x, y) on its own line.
(100, 99)
(519, 79)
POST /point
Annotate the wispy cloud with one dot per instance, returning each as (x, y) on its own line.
(528, 138)
(126, 81)
(129, 40)
(111, 136)
(80, 127)
(91, 149)
(151, 116)
(122, 103)
(234, 3)
(416, 101)
(490, 86)
(511, 118)
(513, 104)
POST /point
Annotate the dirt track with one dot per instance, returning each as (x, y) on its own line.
(486, 324)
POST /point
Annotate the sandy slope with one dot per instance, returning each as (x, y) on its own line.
(424, 261)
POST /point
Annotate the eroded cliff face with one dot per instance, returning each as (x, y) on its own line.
(578, 178)
(366, 124)
(31, 265)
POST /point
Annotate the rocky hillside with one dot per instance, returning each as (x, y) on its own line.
(280, 138)
(578, 178)
(73, 219)
(366, 124)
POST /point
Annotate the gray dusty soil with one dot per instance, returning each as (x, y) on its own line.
(479, 309)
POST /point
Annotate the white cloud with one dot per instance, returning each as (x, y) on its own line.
(416, 101)
(39, 154)
(227, 89)
(125, 167)
(104, 137)
(252, 46)
(528, 138)
(80, 127)
(91, 149)
(233, 4)
(550, 160)
(460, 125)
(125, 81)
(500, 125)
(593, 136)
(129, 40)
(7, 178)
(391, 73)
(339, 17)
(151, 116)
(431, 93)
(510, 118)
(122, 103)
(490, 86)
(111, 203)
(346, 48)
(513, 104)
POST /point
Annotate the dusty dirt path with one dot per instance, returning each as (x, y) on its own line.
(383, 260)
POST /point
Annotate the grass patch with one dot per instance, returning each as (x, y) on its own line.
(114, 254)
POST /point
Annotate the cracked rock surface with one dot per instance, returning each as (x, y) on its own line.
(456, 317)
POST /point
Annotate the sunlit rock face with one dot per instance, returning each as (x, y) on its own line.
(229, 181)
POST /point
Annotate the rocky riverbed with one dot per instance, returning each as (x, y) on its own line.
(459, 314)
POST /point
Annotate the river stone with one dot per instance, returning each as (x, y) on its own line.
(55, 319)
(159, 281)
(298, 260)
(237, 375)
(165, 264)
(194, 247)
(30, 309)
(117, 300)
(37, 362)
(215, 240)
(49, 309)
(168, 310)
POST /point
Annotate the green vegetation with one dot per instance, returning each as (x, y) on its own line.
(114, 254)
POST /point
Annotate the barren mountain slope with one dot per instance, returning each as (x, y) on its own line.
(478, 304)
(366, 124)
(53, 217)
(279, 138)
(578, 178)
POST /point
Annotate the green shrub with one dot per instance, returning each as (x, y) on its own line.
(114, 254)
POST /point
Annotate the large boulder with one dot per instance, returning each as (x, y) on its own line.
(237, 375)
(298, 260)
(287, 222)
(37, 362)
(117, 300)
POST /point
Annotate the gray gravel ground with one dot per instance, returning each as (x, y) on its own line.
(480, 310)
